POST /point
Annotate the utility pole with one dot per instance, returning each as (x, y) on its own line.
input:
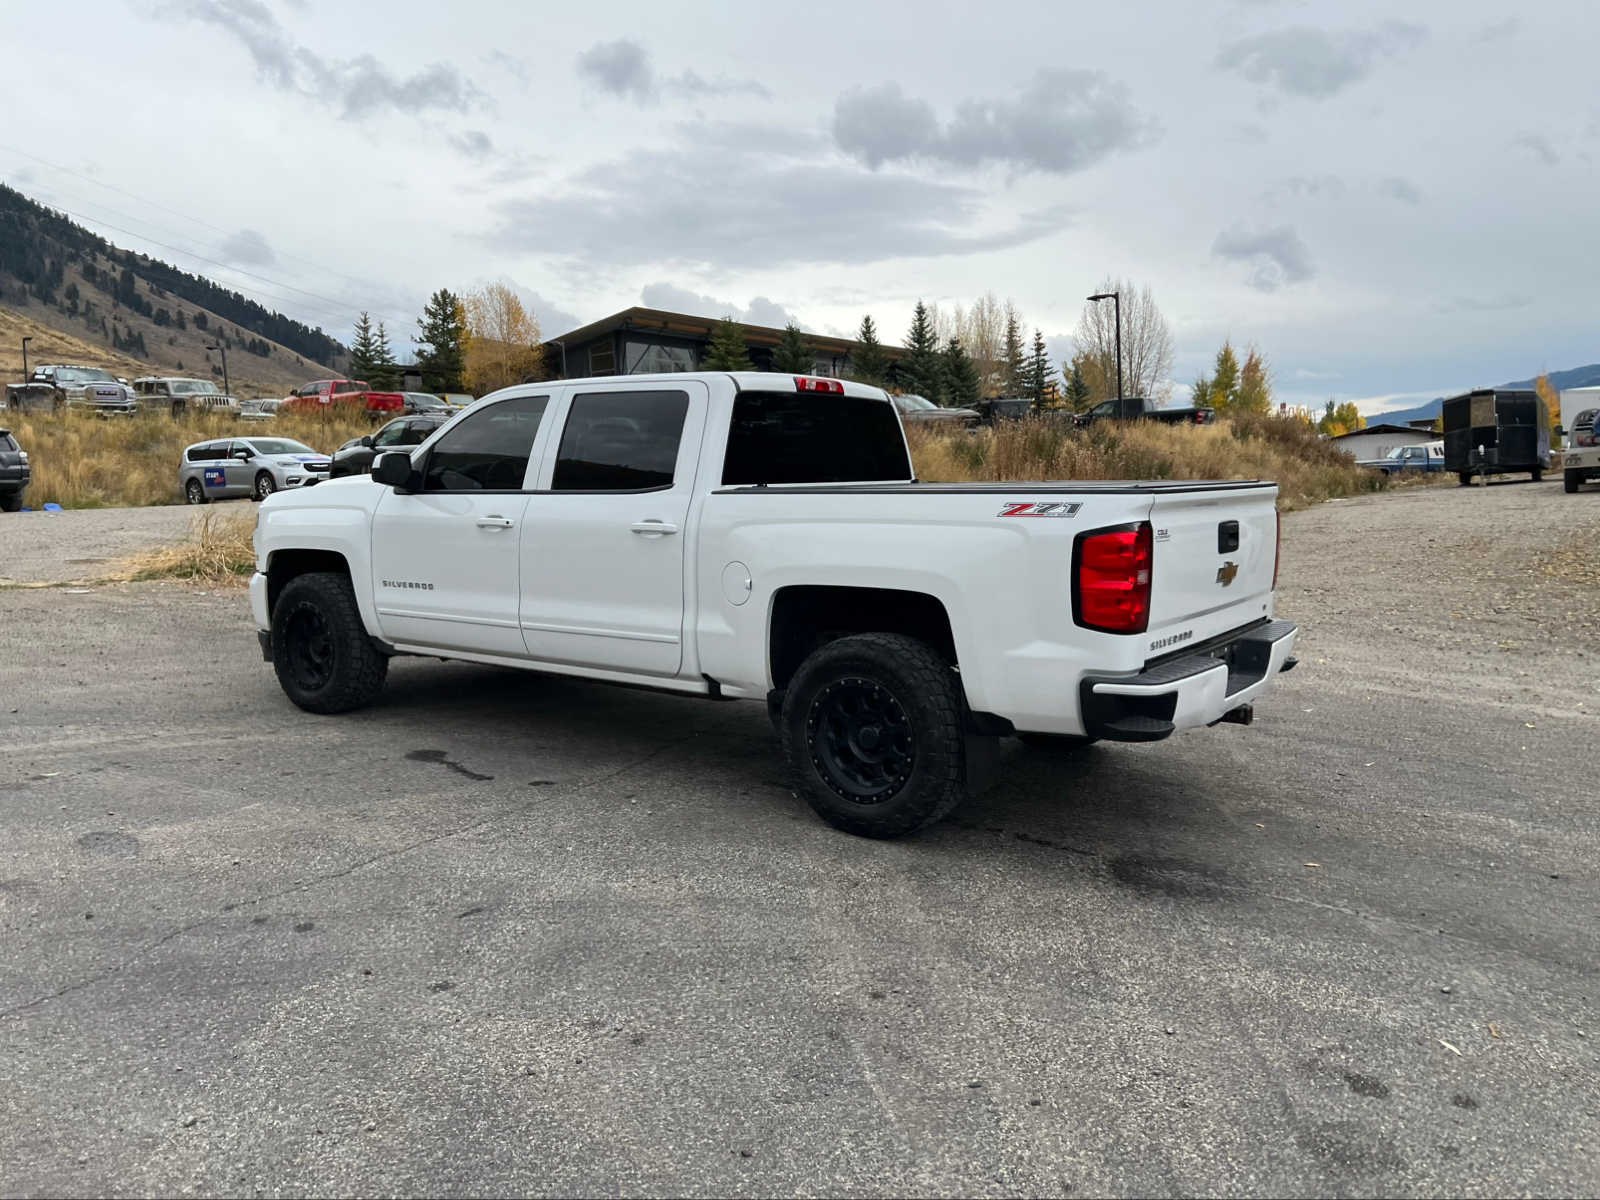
(1116, 298)
(25, 342)
(226, 389)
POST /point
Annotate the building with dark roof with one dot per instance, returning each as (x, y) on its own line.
(642, 341)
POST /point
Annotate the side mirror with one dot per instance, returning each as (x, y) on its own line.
(396, 471)
(367, 441)
(243, 455)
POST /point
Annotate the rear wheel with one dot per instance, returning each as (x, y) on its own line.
(1538, 474)
(1465, 477)
(872, 728)
(265, 485)
(320, 650)
(11, 501)
(1571, 481)
(193, 492)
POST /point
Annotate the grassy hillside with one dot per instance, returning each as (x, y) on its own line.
(59, 274)
(51, 345)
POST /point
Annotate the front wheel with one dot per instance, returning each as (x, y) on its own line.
(320, 649)
(1465, 477)
(1538, 474)
(264, 485)
(872, 729)
(1571, 481)
(11, 501)
(193, 492)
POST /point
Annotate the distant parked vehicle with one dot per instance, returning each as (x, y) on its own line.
(320, 395)
(355, 456)
(421, 402)
(1137, 408)
(59, 387)
(259, 410)
(1496, 432)
(1579, 459)
(919, 410)
(180, 395)
(1405, 460)
(457, 400)
(1005, 408)
(252, 466)
(15, 474)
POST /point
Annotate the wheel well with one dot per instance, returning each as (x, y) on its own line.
(806, 617)
(289, 564)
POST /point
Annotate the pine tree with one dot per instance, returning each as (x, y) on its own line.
(961, 375)
(793, 354)
(1038, 370)
(441, 342)
(728, 351)
(1077, 390)
(868, 362)
(385, 372)
(1013, 367)
(922, 369)
(363, 359)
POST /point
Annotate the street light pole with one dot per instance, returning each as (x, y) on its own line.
(25, 342)
(226, 387)
(1116, 298)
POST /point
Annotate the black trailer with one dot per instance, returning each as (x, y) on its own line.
(1496, 432)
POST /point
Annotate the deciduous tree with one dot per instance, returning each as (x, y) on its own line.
(1146, 343)
(503, 345)
(1338, 419)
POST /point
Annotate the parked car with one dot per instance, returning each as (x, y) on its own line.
(252, 466)
(918, 410)
(90, 389)
(320, 394)
(1579, 457)
(355, 456)
(1137, 408)
(643, 531)
(420, 402)
(15, 474)
(457, 400)
(1408, 459)
(259, 410)
(180, 395)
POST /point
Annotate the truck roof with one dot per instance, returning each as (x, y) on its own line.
(743, 380)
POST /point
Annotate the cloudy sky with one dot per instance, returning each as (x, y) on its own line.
(1391, 200)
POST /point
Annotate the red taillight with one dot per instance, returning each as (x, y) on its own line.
(806, 383)
(1111, 579)
(1277, 550)
(1199, 418)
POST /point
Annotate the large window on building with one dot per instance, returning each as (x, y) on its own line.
(644, 358)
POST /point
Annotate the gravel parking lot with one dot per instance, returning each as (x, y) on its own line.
(513, 934)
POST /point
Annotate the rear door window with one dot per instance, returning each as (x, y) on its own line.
(620, 442)
(816, 437)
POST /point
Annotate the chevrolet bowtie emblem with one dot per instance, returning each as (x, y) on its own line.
(1226, 573)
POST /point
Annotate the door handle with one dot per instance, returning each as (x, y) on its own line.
(656, 528)
(494, 521)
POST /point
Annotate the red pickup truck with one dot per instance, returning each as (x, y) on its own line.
(314, 396)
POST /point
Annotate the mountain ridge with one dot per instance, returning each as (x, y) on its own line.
(1573, 377)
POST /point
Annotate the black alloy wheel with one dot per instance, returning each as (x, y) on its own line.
(860, 739)
(308, 647)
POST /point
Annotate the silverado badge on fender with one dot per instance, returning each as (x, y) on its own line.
(1226, 572)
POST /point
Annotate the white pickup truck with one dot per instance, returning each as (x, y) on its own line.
(762, 537)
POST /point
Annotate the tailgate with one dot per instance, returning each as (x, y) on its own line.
(1213, 559)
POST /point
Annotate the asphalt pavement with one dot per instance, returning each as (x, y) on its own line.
(513, 934)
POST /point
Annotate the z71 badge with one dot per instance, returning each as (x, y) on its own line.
(1028, 508)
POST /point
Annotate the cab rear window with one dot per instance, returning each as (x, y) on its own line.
(813, 437)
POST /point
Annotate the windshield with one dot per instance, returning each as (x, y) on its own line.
(193, 387)
(911, 403)
(424, 400)
(279, 446)
(84, 375)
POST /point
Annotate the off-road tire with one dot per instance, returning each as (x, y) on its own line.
(1538, 474)
(925, 693)
(1465, 477)
(11, 501)
(320, 607)
(1056, 743)
(264, 486)
(1571, 481)
(194, 492)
